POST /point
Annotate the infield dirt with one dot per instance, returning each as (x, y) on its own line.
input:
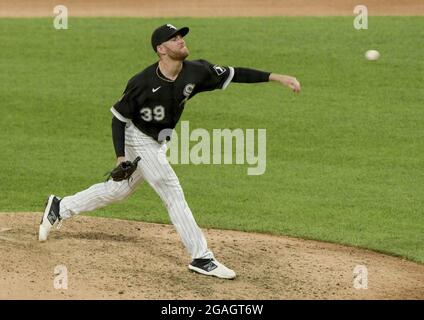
(209, 8)
(119, 259)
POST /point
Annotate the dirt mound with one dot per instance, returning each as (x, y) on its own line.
(119, 259)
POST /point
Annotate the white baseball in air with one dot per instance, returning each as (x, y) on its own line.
(372, 55)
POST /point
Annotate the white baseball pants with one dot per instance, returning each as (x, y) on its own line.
(156, 170)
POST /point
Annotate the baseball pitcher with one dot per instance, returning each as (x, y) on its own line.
(143, 119)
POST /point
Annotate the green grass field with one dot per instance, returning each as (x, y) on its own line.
(345, 158)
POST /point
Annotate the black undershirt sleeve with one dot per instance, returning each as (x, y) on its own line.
(246, 75)
(118, 136)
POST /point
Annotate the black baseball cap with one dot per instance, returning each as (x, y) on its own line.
(166, 32)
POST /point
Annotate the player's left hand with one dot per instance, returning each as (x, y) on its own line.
(123, 170)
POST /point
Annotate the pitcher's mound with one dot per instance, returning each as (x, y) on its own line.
(113, 259)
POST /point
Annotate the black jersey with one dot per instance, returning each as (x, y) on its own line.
(155, 104)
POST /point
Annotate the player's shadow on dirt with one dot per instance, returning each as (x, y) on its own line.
(99, 236)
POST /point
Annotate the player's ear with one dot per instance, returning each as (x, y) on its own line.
(160, 50)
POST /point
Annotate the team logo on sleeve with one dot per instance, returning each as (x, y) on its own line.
(219, 70)
(188, 89)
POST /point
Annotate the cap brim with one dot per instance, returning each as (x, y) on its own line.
(181, 31)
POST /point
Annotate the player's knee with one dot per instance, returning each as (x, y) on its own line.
(169, 183)
(158, 181)
(119, 191)
(121, 196)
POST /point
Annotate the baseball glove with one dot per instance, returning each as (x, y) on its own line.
(124, 170)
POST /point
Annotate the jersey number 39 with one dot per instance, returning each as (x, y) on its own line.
(157, 114)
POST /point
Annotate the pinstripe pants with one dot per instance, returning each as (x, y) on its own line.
(156, 170)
